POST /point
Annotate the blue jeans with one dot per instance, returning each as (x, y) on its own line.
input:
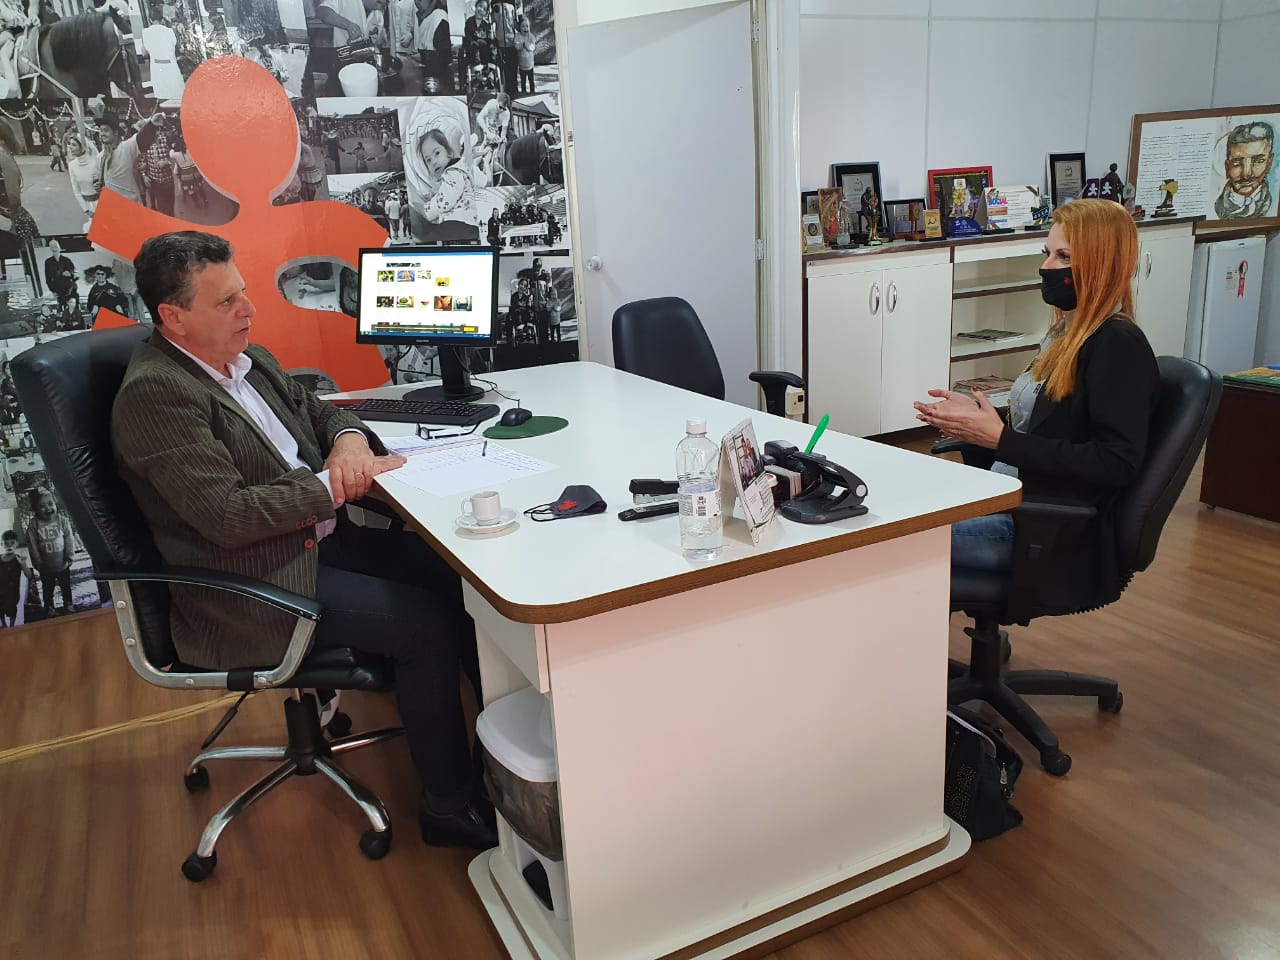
(983, 543)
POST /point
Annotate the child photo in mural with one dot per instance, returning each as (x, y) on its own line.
(438, 163)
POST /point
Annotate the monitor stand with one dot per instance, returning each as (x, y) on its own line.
(455, 380)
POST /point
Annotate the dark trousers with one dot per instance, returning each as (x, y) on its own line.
(60, 579)
(386, 592)
(161, 192)
(509, 64)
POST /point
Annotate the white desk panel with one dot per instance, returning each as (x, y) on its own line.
(623, 427)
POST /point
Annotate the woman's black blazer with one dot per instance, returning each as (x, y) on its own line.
(1089, 447)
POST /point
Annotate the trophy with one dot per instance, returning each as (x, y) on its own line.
(1165, 209)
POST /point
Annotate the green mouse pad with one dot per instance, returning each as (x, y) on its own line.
(533, 427)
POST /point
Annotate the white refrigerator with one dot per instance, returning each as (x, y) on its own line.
(1226, 294)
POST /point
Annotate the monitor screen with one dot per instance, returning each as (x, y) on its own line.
(442, 295)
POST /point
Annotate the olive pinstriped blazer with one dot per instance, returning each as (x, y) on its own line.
(217, 494)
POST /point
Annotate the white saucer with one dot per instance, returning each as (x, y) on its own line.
(466, 522)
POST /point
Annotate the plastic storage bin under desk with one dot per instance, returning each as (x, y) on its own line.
(521, 775)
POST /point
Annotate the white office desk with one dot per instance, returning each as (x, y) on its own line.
(749, 749)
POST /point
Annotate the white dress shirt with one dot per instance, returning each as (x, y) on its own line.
(243, 393)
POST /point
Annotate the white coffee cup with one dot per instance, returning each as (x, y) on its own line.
(485, 507)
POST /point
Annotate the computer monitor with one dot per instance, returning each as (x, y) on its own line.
(446, 297)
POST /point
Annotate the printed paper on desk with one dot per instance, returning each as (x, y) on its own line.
(449, 467)
(742, 476)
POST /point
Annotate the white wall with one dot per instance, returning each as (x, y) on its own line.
(917, 84)
(1249, 72)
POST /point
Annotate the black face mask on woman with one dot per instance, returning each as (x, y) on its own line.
(1058, 289)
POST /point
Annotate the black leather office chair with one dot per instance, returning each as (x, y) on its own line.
(663, 339)
(1189, 395)
(67, 388)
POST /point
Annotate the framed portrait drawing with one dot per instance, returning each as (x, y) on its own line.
(1223, 161)
(906, 218)
(1066, 177)
(959, 192)
(854, 180)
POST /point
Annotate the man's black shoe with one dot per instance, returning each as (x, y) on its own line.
(472, 826)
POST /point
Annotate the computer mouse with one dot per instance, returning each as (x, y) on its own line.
(514, 417)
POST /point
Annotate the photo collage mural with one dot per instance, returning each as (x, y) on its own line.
(301, 130)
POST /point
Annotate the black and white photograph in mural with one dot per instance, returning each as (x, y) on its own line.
(147, 161)
(536, 305)
(382, 196)
(517, 141)
(82, 279)
(51, 49)
(48, 183)
(44, 570)
(432, 47)
(518, 219)
(308, 181)
(439, 166)
(360, 134)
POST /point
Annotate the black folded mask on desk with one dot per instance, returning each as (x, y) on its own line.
(576, 500)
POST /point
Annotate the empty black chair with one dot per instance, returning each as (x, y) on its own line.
(663, 339)
(67, 388)
(1189, 395)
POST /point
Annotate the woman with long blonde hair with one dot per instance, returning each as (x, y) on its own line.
(1078, 416)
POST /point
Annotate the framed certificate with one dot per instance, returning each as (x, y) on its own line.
(1066, 177)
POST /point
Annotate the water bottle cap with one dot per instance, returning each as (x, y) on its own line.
(695, 425)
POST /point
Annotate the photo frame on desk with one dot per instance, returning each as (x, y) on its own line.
(959, 192)
(743, 478)
(1066, 177)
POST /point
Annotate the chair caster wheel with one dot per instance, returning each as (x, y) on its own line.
(195, 781)
(339, 726)
(197, 868)
(375, 845)
(1056, 763)
(1111, 704)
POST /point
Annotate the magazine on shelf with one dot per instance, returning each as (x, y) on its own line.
(990, 333)
(995, 388)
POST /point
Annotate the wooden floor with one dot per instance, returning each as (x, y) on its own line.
(1164, 842)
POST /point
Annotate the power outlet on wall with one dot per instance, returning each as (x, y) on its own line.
(795, 403)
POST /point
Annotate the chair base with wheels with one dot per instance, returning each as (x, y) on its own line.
(306, 754)
(981, 679)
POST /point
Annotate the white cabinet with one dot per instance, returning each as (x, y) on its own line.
(879, 336)
(1162, 286)
(884, 326)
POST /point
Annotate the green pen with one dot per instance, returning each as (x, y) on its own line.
(822, 425)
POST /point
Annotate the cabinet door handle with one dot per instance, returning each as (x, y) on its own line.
(893, 296)
(873, 300)
(1147, 257)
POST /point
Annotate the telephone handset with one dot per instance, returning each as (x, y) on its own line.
(828, 491)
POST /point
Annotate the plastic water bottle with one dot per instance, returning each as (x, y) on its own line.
(697, 470)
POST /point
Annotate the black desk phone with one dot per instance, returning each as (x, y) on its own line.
(828, 491)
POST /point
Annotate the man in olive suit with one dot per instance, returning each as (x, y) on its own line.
(239, 469)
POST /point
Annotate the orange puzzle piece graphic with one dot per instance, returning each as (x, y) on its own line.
(243, 136)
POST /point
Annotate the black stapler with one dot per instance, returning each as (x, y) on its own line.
(652, 498)
(828, 491)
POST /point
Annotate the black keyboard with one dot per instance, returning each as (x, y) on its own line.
(449, 413)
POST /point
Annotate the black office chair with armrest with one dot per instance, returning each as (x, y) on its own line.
(1189, 395)
(663, 339)
(67, 388)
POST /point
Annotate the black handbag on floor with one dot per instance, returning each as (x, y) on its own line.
(981, 771)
